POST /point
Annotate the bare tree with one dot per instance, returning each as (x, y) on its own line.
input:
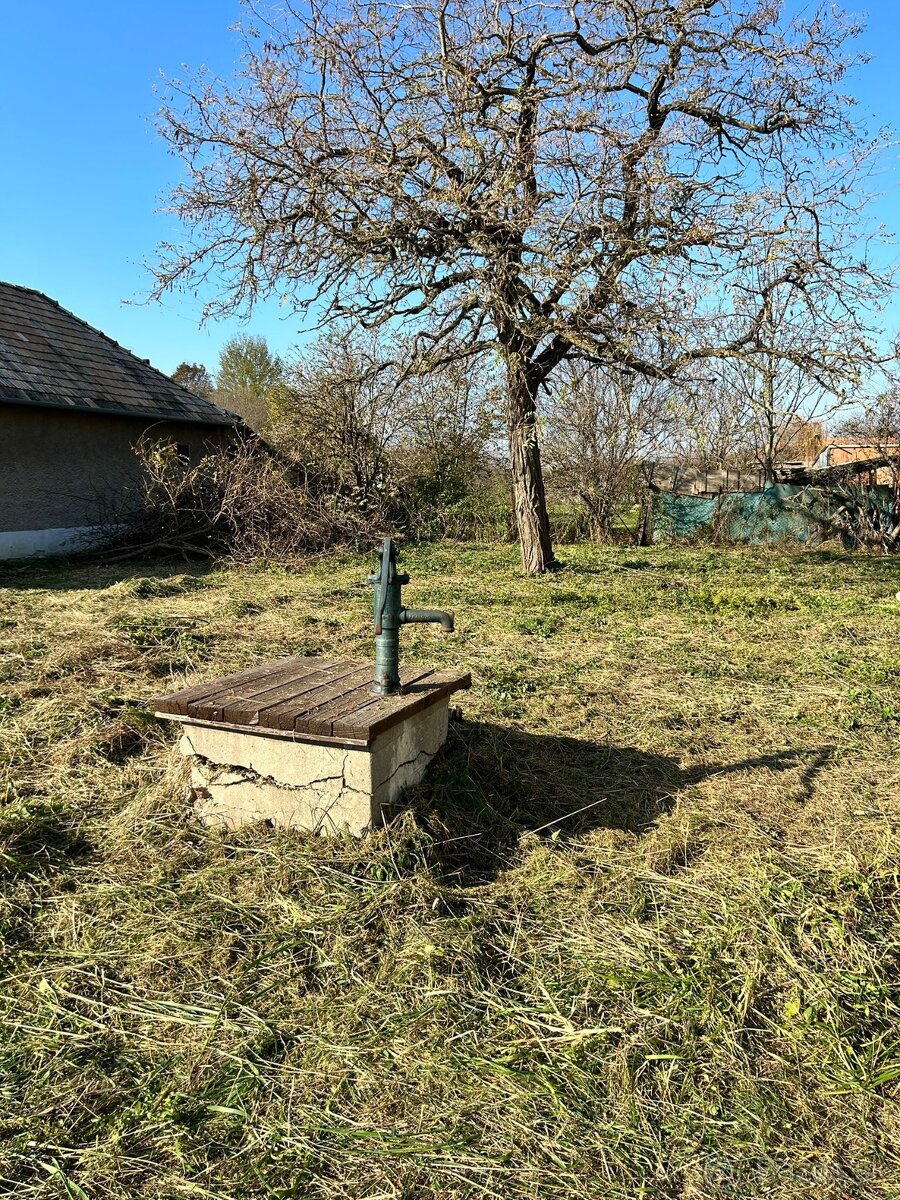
(450, 424)
(715, 430)
(341, 411)
(800, 372)
(541, 181)
(602, 425)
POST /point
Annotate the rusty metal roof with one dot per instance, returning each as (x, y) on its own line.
(52, 359)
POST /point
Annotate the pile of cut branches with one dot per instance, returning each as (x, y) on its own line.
(243, 501)
(864, 518)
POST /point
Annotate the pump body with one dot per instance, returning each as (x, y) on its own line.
(389, 615)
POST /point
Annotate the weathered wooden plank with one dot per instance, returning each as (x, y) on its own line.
(291, 693)
(283, 713)
(209, 707)
(322, 721)
(382, 712)
(290, 715)
(311, 697)
(222, 705)
(177, 702)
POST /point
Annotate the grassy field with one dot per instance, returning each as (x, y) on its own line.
(638, 934)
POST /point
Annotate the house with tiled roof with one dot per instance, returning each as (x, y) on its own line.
(73, 404)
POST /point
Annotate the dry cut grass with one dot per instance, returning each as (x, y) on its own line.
(637, 935)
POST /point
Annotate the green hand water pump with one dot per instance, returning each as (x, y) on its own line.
(390, 614)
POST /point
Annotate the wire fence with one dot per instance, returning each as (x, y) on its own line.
(778, 512)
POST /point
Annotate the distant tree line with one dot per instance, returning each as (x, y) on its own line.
(424, 452)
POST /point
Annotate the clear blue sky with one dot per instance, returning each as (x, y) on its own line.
(84, 173)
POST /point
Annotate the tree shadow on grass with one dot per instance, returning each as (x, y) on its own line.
(616, 566)
(493, 784)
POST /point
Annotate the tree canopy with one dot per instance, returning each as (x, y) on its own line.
(249, 377)
(196, 378)
(540, 181)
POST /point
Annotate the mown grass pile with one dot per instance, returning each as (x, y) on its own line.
(638, 933)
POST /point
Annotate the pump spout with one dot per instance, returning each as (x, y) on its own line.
(427, 616)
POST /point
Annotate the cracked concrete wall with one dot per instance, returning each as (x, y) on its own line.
(243, 777)
(401, 756)
(231, 797)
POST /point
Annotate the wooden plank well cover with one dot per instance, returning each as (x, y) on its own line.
(312, 698)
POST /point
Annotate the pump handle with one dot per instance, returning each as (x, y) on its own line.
(388, 555)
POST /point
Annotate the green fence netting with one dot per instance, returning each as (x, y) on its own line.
(780, 512)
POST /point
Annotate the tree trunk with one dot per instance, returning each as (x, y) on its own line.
(644, 535)
(771, 429)
(529, 499)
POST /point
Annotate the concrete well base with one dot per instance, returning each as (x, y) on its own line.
(243, 776)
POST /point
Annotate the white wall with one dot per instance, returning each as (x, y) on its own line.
(35, 543)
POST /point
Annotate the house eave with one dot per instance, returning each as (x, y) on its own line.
(101, 409)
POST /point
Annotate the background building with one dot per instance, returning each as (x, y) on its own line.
(73, 404)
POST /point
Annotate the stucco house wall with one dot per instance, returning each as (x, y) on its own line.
(62, 474)
(839, 453)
